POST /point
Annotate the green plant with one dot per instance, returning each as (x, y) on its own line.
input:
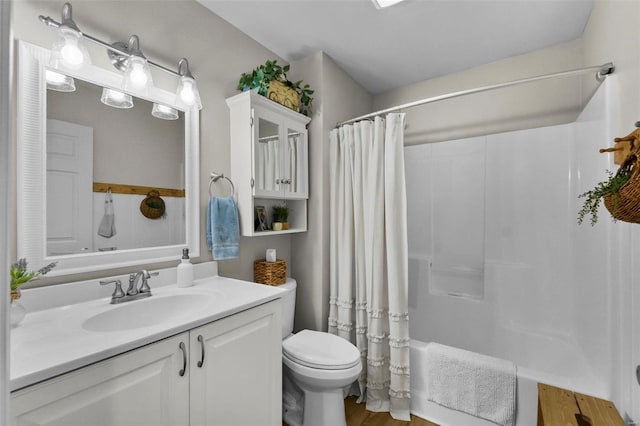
(20, 275)
(280, 213)
(611, 186)
(262, 75)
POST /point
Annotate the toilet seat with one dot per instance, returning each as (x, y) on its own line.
(316, 349)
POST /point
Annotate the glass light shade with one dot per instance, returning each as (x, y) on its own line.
(137, 76)
(69, 50)
(116, 99)
(164, 112)
(187, 92)
(59, 82)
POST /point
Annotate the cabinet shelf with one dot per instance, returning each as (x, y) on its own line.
(269, 161)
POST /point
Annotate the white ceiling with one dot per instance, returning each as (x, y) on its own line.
(409, 42)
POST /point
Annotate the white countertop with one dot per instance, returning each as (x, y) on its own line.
(53, 341)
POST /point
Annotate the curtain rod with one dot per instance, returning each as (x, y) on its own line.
(602, 71)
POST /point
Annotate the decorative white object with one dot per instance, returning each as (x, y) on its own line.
(271, 255)
(17, 311)
(185, 270)
(269, 160)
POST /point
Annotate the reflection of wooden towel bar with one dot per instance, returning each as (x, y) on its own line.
(117, 188)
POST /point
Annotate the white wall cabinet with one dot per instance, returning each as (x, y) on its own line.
(269, 160)
(225, 373)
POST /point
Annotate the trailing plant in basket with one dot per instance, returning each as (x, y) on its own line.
(611, 186)
(262, 75)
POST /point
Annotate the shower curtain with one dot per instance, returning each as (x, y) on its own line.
(368, 257)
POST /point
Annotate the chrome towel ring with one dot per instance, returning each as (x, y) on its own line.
(216, 177)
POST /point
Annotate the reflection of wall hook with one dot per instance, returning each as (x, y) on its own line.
(216, 177)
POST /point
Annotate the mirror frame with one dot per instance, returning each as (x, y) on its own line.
(31, 170)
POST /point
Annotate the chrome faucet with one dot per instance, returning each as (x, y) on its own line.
(133, 292)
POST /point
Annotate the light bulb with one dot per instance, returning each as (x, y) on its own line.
(186, 94)
(137, 76)
(70, 52)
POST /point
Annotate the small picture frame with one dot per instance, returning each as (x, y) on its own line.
(261, 219)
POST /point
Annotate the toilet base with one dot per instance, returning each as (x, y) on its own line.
(324, 408)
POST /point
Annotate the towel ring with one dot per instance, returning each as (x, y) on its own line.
(215, 177)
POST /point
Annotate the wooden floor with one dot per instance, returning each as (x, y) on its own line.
(357, 415)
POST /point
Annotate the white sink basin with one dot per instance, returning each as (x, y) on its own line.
(149, 312)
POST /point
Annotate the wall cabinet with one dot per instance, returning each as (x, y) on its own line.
(269, 160)
(225, 373)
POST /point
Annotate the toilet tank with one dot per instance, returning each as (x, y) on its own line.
(288, 306)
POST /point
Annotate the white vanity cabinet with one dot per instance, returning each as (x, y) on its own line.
(269, 160)
(236, 381)
(141, 387)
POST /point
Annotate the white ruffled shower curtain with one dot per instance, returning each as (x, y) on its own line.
(368, 257)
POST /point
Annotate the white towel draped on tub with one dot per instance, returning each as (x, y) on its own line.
(476, 384)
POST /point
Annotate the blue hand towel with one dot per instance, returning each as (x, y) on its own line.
(223, 228)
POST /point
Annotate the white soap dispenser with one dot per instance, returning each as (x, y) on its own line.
(185, 270)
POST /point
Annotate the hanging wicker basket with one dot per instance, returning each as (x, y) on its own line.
(625, 204)
(153, 206)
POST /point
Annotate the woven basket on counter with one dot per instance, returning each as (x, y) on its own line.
(270, 273)
(625, 204)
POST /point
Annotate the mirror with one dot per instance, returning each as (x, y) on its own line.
(101, 164)
(64, 205)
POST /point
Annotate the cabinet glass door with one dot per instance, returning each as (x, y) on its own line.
(295, 174)
(268, 159)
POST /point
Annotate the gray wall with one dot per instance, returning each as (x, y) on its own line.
(520, 107)
(337, 97)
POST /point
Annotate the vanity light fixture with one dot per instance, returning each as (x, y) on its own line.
(116, 99)
(126, 57)
(59, 82)
(137, 76)
(69, 49)
(164, 112)
(187, 93)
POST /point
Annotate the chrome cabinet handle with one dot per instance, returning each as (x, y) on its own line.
(278, 182)
(184, 359)
(201, 340)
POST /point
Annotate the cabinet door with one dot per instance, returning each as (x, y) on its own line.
(139, 388)
(267, 145)
(295, 172)
(236, 370)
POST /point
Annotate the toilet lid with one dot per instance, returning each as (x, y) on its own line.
(316, 349)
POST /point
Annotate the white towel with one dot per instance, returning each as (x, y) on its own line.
(476, 384)
(107, 226)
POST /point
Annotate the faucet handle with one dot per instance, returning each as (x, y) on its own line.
(144, 287)
(117, 293)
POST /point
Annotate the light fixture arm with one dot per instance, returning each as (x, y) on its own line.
(118, 48)
(183, 68)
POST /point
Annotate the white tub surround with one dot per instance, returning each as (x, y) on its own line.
(56, 338)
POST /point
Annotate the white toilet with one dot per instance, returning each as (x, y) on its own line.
(316, 367)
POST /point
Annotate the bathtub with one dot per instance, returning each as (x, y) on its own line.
(527, 396)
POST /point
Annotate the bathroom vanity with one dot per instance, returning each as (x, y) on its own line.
(185, 356)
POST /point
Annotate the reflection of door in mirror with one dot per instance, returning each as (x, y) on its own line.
(268, 158)
(69, 188)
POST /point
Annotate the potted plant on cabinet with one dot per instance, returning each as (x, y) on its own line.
(271, 81)
(280, 218)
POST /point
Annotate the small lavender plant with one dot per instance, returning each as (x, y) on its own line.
(20, 275)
